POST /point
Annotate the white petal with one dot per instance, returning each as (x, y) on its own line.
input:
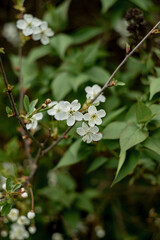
(65, 105)
(70, 120)
(80, 131)
(85, 126)
(96, 88)
(44, 26)
(91, 123)
(27, 31)
(38, 116)
(28, 18)
(97, 137)
(98, 121)
(86, 116)
(36, 22)
(75, 105)
(36, 37)
(102, 98)
(21, 24)
(49, 32)
(92, 110)
(34, 124)
(61, 116)
(51, 112)
(94, 129)
(28, 125)
(44, 40)
(88, 90)
(101, 113)
(52, 104)
(78, 116)
(36, 30)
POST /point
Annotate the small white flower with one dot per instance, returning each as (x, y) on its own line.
(92, 92)
(10, 32)
(29, 25)
(32, 229)
(34, 121)
(89, 134)
(100, 232)
(31, 214)
(13, 215)
(57, 236)
(93, 116)
(4, 233)
(23, 220)
(18, 232)
(71, 113)
(43, 34)
(58, 110)
(24, 194)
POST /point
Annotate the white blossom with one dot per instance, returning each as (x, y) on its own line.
(32, 229)
(89, 134)
(13, 215)
(34, 121)
(4, 233)
(43, 34)
(31, 214)
(71, 113)
(93, 116)
(10, 32)
(100, 232)
(58, 110)
(57, 236)
(29, 25)
(24, 195)
(92, 92)
(23, 220)
(18, 232)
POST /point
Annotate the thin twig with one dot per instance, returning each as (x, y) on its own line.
(104, 87)
(13, 104)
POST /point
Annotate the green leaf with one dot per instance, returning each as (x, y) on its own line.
(17, 186)
(61, 85)
(106, 4)
(98, 162)
(38, 53)
(8, 110)
(26, 103)
(91, 54)
(71, 156)
(76, 81)
(8, 184)
(32, 105)
(131, 136)
(154, 86)
(112, 115)
(153, 144)
(113, 130)
(98, 75)
(126, 168)
(143, 4)
(6, 209)
(61, 42)
(143, 113)
(86, 34)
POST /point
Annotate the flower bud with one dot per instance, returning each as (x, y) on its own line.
(48, 101)
(31, 214)
(43, 105)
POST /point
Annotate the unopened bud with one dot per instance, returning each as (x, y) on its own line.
(48, 101)
(127, 48)
(43, 105)
(24, 195)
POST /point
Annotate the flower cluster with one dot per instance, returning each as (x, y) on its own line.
(20, 228)
(71, 113)
(36, 28)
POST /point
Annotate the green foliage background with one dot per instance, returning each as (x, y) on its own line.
(89, 43)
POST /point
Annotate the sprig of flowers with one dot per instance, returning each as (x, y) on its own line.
(32, 26)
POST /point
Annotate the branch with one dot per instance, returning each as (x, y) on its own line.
(13, 104)
(104, 87)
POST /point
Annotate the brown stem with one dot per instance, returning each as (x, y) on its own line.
(32, 198)
(13, 104)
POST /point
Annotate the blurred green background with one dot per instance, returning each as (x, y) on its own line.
(77, 200)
